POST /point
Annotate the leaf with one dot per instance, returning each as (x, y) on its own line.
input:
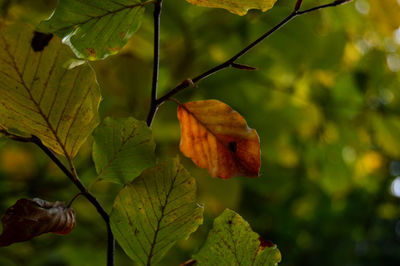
(154, 211)
(239, 7)
(3, 130)
(27, 219)
(217, 138)
(232, 242)
(95, 29)
(45, 91)
(122, 149)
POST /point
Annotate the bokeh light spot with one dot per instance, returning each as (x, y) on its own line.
(395, 187)
(362, 6)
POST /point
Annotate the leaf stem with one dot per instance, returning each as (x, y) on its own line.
(156, 64)
(231, 62)
(73, 199)
(73, 176)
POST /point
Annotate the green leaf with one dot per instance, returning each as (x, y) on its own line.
(154, 211)
(95, 29)
(45, 91)
(239, 7)
(122, 149)
(232, 242)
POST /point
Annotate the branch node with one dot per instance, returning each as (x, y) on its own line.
(188, 82)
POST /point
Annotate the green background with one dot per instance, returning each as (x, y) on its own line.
(325, 102)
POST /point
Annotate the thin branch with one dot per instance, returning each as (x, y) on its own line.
(73, 176)
(73, 199)
(231, 61)
(156, 64)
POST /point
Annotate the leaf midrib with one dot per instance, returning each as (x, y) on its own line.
(153, 244)
(108, 12)
(234, 155)
(115, 154)
(39, 109)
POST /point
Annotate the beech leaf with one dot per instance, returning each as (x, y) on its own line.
(28, 218)
(45, 91)
(217, 138)
(154, 211)
(239, 7)
(122, 149)
(95, 29)
(232, 242)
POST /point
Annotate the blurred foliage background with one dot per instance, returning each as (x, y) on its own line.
(325, 102)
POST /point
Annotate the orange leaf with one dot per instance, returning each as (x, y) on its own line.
(29, 218)
(217, 138)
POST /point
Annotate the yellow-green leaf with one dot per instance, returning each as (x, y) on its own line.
(239, 7)
(232, 242)
(45, 91)
(154, 211)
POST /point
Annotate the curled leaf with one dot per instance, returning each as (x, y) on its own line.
(27, 219)
(217, 138)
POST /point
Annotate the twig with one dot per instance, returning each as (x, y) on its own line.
(73, 199)
(231, 62)
(156, 64)
(73, 176)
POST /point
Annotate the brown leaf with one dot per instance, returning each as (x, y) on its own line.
(29, 218)
(217, 138)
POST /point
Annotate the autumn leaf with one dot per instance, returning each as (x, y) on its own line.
(239, 7)
(232, 242)
(45, 91)
(27, 219)
(95, 29)
(154, 211)
(217, 138)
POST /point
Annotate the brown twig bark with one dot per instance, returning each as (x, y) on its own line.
(232, 61)
(156, 63)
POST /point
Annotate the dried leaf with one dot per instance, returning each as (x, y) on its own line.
(239, 7)
(27, 219)
(217, 138)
